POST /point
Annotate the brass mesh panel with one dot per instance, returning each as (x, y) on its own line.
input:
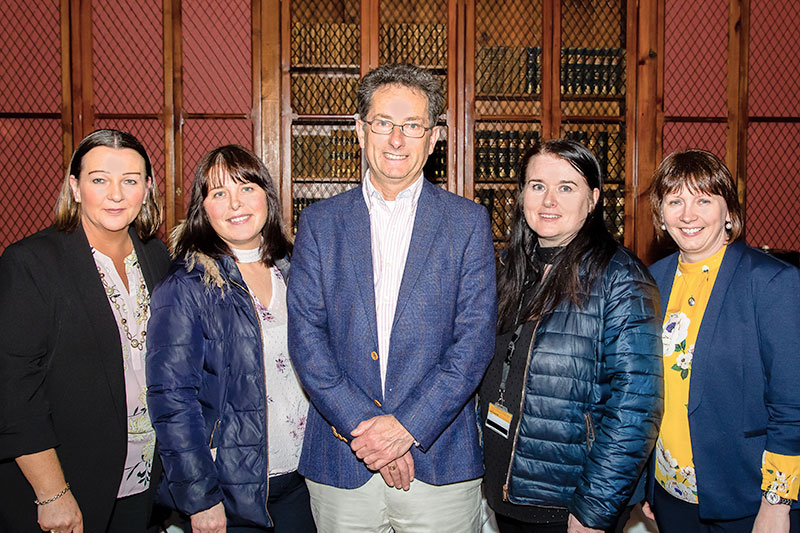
(30, 62)
(705, 135)
(695, 58)
(30, 77)
(326, 160)
(774, 84)
(508, 57)
(499, 148)
(216, 56)
(592, 59)
(773, 187)
(126, 56)
(31, 161)
(607, 141)
(324, 93)
(773, 148)
(417, 36)
(200, 136)
(325, 56)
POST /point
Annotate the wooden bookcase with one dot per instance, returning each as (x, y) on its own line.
(515, 72)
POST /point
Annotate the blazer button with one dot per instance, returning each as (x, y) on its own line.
(377, 403)
(374, 356)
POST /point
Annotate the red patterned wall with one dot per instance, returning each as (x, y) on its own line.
(695, 75)
(773, 147)
(30, 132)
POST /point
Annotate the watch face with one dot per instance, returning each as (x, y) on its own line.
(772, 497)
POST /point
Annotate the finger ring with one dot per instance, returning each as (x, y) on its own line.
(392, 468)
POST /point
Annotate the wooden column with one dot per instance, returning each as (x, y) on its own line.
(646, 154)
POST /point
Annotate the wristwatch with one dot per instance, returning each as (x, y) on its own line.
(773, 498)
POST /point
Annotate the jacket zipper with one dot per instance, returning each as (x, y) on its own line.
(519, 422)
(213, 432)
(587, 417)
(266, 405)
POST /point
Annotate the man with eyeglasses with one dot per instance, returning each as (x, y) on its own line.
(391, 325)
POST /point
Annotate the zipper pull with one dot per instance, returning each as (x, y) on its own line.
(505, 492)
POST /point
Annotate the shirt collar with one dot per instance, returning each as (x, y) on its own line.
(371, 194)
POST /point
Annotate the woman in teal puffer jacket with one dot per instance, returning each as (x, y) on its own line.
(572, 401)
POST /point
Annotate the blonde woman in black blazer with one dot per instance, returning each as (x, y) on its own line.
(64, 428)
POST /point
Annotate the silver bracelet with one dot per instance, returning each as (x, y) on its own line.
(54, 498)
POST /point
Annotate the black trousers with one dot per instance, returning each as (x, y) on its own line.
(509, 525)
(130, 515)
(677, 516)
(289, 507)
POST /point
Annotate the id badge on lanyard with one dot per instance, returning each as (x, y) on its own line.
(498, 419)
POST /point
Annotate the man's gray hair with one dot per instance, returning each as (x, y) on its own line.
(406, 75)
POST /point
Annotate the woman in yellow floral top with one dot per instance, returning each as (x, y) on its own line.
(728, 454)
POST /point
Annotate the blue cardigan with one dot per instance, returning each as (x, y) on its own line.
(743, 395)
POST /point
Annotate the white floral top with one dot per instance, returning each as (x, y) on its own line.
(674, 470)
(131, 308)
(287, 404)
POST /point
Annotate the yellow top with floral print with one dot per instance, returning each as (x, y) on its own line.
(674, 470)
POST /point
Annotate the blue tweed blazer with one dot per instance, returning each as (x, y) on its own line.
(442, 335)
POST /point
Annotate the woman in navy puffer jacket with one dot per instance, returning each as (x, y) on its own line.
(219, 378)
(572, 401)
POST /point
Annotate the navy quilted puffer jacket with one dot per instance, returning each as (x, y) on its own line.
(593, 398)
(206, 391)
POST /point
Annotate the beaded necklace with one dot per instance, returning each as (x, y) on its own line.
(142, 304)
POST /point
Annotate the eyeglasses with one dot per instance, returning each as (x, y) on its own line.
(381, 126)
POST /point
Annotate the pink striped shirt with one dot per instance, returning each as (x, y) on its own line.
(391, 224)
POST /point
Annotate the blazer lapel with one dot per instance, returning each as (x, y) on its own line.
(427, 223)
(356, 222)
(703, 361)
(89, 291)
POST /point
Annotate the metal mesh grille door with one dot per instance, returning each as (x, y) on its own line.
(324, 73)
(30, 116)
(773, 148)
(416, 33)
(508, 87)
(695, 75)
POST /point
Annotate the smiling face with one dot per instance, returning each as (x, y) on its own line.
(236, 211)
(396, 161)
(556, 200)
(696, 222)
(111, 188)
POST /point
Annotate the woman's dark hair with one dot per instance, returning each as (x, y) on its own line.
(241, 165)
(575, 268)
(700, 172)
(68, 211)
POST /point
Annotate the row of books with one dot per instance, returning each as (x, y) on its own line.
(298, 204)
(517, 71)
(500, 204)
(335, 156)
(508, 71)
(593, 71)
(436, 167)
(498, 153)
(608, 147)
(420, 44)
(327, 45)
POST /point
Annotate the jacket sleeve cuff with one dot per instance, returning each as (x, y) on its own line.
(30, 436)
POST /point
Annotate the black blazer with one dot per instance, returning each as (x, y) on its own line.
(61, 375)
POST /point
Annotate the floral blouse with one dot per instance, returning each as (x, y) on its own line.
(674, 470)
(131, 308)
(287, 404)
